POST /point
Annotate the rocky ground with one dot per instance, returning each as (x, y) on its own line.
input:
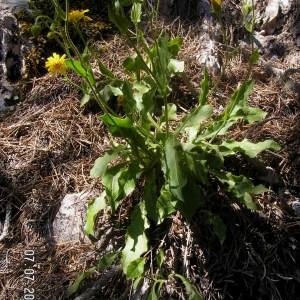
(48, 145)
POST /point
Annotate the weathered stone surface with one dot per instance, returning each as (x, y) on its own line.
(186, 9)
(11, 59)
(296, 207)
(70, 219)
(272, 13)
(207, 57)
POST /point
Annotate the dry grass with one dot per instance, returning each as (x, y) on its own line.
(47, 147)
(49, 144)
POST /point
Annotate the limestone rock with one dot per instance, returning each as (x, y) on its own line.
(296, 207)
(185, 8)
(69, 221)
(273, 11)
(11, 59)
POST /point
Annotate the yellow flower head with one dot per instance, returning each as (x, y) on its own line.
(56, 64)
(74, 16)
(216, 5)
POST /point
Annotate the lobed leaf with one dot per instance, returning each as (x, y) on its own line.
(237, 109)
(241, 188)
(172, 112)
(175, 66)
(120, 181)
(196, 117)
(246, 147)
(101, 163)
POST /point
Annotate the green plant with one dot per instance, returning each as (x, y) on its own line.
(174, 160)
(248, 12)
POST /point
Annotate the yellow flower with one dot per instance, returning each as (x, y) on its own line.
(56, 64)
(74, 16)
(216, 5)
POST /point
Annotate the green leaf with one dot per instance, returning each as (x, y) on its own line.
(76, 284)
(204, 89)
(191, 290)
(197, 165)
(136, 268)
(196, 117)
(240, 187)
(172, 113)
(155, 290)
(194, 196)
(136, 13)
(253, 114)
(134, 64)
(116, 124)
(247, 16)
(139, 89)
(85, 100)
(238, 100)
(117, 16)
(101, 163)
(120, 181)
(246, 147)
(219, 227)
(160, 258)
(237, 109)
(83, 71)
(173, 171)
(136, 243)
(108, 91)
(160, 56)
(106, 261)
(174, 46)
(105, 71)
(136, 282)
(175, 66)
(254, 57)
(93, 210)
(158, 207)
(205, 154)
(124, 127)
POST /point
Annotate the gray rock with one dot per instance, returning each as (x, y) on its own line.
(184, 8)
(273, 11)
(296, 207)
(13, 4)
(11, 58)
(69, 221)
(207, 57)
